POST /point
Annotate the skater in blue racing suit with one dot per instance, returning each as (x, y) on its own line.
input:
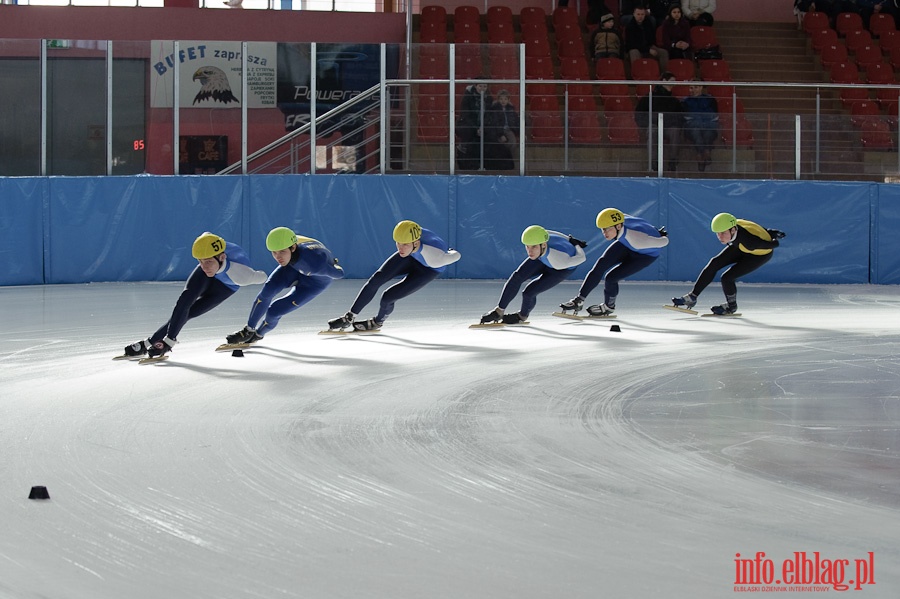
(636, 244)
(747, 247)
(552, 257)
(222, 268)
(305, 266)
(420, 257)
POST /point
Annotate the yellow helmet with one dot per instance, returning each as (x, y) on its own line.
(722, 222)
(535, 235)
(280, 238)
(609, 217)
(207, 246)
(407, 231)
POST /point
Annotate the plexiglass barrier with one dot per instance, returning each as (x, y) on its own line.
(93, 107)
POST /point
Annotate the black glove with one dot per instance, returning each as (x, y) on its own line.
(663, 232)
(577, 242)
(775, 233)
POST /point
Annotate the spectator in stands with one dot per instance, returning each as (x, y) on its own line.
(640, 39)
(470, 125)
(801, 7)
(701, 122)
(502, 134)
(865, 8)
(661, 100)
(699, 12)
(597, 9)
(676, 34)
(606, 42)
(659, 9)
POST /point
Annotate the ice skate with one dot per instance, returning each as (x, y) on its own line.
(245, 335)
(685, 303)
(601, 311)
(725, 310)
(575, 304)
(513, 318)
(138, 349)
(341, 322)
(367, 325)
(492, 317)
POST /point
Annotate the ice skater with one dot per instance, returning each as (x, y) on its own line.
(747, 247)
(636, 244)
(552, 256)
(223, 267)
(305, 266)
(420, 257)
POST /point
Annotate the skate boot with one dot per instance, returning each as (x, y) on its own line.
(161, 347)
(138, 348)
(341, 322)
(685, 301)
(575, 304)
(513, 318)
(367, 325)
(245, 335)
(601, 310)
(724, 309)
(495, 315)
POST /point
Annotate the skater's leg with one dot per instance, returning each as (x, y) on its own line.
(393, 267)
(549, 279)
(419, 277)
(303, 292)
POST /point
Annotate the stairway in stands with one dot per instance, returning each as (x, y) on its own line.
(778, 52)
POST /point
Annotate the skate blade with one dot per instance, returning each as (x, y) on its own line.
(231, 346)
(677, 309)
(567, 315)
(496, 325)
(124, 357)
(153, 360)
(350, 332)
(723, 315)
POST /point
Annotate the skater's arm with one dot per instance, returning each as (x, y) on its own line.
(436, 258)
(640, 240)
(242, 274)
(561, 260)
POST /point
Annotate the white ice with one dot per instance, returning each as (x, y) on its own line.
(558, 460)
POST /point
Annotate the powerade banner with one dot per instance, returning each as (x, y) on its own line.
(210, 74)
(343, 71)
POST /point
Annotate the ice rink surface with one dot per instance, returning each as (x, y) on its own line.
(558, 460)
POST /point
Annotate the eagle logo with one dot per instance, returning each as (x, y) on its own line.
(213, 85)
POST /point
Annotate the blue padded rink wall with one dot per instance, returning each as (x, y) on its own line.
(680, 457)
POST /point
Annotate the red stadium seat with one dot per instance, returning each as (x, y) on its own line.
(610, 69)
(564, 15)
(504, 67)
(466, 14)
(584, 127)
(863, 111)
(876, 135)
(815, 20)
(568, 31)
(533, 14)
(613, 103)
(880, 73)
(868, 55)
(881, 22)
(434, 66)
(644, 69)
(538, 67)
(742, 136)
(546, 127)
(500, 33)
(499, 14)
(715, 70)
(574, 68)
(833, 54)
(682, 68)
(846, 22)
(703, 38)
(433, 14)
(622, 128)
(467, 33)
(730, 105)
(823, 37)
(537, 47)
(857, 39)
(571, 48)
(888, 41)
(433, 33)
